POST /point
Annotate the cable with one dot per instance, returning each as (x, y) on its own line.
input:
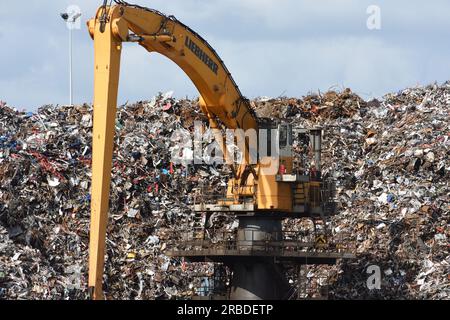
(104, 17)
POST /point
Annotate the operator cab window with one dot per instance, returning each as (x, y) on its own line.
(283, 136)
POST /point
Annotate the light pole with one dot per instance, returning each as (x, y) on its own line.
(70, 21)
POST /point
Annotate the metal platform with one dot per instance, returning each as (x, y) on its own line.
(233, 208)
(281, 246)
(248, 209)
(318, 202)
(224, 255)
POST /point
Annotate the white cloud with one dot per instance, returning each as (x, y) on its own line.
(271, 47)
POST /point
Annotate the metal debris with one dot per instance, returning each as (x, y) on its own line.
(390, 158)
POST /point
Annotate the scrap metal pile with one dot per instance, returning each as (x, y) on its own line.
(390, 159)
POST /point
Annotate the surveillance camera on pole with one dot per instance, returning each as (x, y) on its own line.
(70, 20)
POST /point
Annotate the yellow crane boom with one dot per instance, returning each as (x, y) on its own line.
(220, 97)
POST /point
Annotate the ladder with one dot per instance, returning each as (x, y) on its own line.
(300, 194)
(199, 223)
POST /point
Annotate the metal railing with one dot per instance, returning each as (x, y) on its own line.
(328, 195)
(253, 240)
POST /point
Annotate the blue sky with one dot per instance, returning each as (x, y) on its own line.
(272, 48)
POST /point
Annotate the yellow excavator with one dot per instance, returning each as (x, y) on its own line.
(263, 196)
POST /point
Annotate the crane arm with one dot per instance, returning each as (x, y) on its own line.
(220, 97)
(171, 38)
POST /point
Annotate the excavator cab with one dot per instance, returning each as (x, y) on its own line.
(284, 183)
(312, 195)
(279, 137)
